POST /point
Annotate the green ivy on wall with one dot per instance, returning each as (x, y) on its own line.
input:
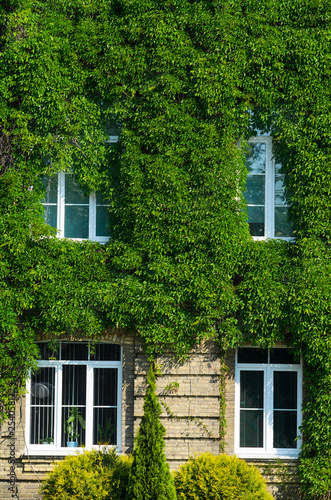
(187, 81)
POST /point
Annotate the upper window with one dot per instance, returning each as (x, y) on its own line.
(74, 214)
(74, 399)
(268, 403)
(265, 192)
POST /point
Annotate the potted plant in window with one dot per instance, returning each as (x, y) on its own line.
(71, 426)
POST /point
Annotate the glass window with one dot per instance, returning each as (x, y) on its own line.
(265, 192)
(75, 214)
(74, 397)
(268, 402)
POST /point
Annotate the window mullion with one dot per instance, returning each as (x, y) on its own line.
(89, 407)
(269, 392)
(58, 406)
(269, 192)
(119, 410)
(61, 203)
(92, 216)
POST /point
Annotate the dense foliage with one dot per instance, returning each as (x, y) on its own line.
(186, 81)
(219, 477)
(150, 477)
(92, 475)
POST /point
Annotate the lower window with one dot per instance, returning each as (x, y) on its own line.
(74, 399)
(268, 403)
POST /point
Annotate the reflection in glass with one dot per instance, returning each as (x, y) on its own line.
(42, 406)
(102, 221)
(255, 189)
(283, 227)
(73, 192)
(50, 185)
(256, 158)
(50, 215)
(76, 221)
(256, 220)
(50, 200)
(280, 198)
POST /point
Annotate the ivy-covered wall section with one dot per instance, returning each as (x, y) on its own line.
(186, 81)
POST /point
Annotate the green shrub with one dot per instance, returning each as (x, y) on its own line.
(150, 477)
(210, 477)
(99, 475)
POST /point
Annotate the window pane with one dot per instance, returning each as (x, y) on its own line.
(256, 158)
(255, 189)
(105, 426)
(251, 389)
(285, 390)
(285, 429)
(252, 355)
(42, 387)
(283, 227)
(102, 221)
(50, 185)
(280, 198)
(42, 406)
(105, 386)
(76, 221)
(251, 428)
(73, 191)
(106, 352)
(101, 200)
(74, 385)
(79, 432)
(47, 351)
(282, 356)
(256, 220)
(50, 215)
(74, 351)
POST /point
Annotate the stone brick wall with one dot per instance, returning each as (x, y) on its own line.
(189, 395)
(281, 475)
(192, 425)
(191, 407)
(31, 470)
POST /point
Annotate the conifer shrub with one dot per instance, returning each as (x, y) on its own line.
(221, 477)
(92, 475)
(150, 477)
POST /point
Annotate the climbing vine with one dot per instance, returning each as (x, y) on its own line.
(186, 82)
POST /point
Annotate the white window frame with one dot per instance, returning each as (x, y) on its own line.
(92, 203)
(269, 201)
(267, 451)
(56, 449)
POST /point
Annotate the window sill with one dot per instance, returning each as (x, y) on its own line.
(285, 455)
(51, 451)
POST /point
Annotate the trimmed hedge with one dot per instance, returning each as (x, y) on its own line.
(92, 475)
(222, 477)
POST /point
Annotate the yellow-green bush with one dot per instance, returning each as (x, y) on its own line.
(210, 477)
(95, 475)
